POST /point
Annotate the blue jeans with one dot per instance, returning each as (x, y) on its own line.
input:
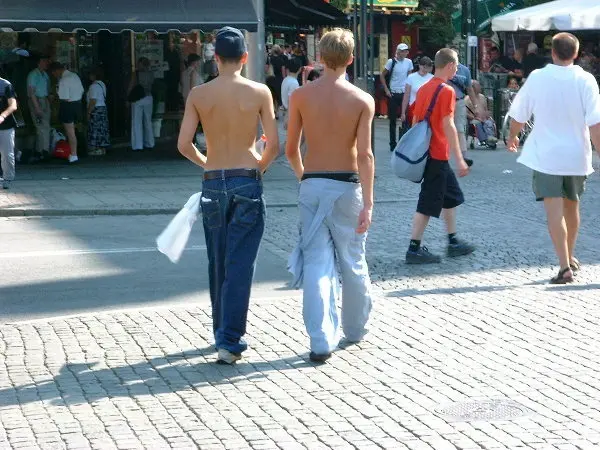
(233, 214)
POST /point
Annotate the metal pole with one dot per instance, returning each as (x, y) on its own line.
(364, 62)
(261, 38)
(355, 31)
(372, 69)
(372, 45)
(475, 50)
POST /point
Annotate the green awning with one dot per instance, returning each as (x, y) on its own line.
(486, 10)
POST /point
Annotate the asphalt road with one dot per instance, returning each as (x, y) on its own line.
(69, 265)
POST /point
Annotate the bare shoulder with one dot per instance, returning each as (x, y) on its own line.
(364, 98)
(259, 88)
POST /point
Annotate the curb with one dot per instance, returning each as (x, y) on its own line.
(55, 212)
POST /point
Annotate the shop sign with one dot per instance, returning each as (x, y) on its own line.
(396, 3)
(153, 50)
(383, 51)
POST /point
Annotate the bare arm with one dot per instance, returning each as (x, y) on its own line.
(294, 132)
(12, 107)
(34, 100)
(366, 163)
(595, 134)
(474, 100)
(452, 136)
(187, 132)
(91, 106)
(269, 125)
(406, 98)
(382, 76)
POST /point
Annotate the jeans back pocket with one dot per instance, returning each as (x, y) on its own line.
(211, 212)
(247, 211)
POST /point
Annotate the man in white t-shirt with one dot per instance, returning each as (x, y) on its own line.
(289, 85)
(565, 102)
(393, 78)
(413, 83)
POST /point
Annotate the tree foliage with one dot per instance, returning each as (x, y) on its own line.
(436, 21)
(339, 4)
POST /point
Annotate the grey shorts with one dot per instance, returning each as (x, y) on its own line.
(460, 116)
(558, 186)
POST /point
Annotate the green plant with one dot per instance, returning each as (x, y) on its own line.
(342, 5)
(436, 21)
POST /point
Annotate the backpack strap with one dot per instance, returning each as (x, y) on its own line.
(389, 80)
(433, 101)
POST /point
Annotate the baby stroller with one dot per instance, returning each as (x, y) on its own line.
(527, 126)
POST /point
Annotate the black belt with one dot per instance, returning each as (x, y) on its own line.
(348, 177)
(231, 173)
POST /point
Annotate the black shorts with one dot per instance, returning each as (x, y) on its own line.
(69, 112)
(439, 189)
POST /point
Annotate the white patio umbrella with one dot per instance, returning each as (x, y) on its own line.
(562, 15)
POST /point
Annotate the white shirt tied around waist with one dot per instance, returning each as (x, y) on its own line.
(564, 102)
(70, 88)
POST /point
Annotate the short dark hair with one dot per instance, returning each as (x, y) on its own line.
(55, 65)
(293, 65)
(98, 73)
(231, 60)
(313, 75)
(565, 46)
(425, 61)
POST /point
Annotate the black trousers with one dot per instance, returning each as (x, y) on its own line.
(394, 104)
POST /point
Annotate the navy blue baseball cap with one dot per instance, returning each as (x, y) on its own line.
(230, 43)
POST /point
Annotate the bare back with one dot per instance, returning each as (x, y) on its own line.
(229, 109)
(330, 111)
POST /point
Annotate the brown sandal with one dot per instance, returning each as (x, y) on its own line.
(575, 265)
(562, 277)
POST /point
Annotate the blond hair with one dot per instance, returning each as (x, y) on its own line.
(444, 57)
(337, 48)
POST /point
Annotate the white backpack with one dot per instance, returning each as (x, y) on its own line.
(410, 156)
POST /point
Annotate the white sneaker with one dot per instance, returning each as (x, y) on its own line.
(73, 158)
(226, 357)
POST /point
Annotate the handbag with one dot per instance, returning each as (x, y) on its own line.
(137, 92)
(410, 156)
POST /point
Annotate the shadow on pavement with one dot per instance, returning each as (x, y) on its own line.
(82, 383)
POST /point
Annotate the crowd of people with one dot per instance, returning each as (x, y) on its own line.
(336, 172)
(521, 62)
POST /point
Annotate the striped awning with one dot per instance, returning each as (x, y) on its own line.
(120, 15)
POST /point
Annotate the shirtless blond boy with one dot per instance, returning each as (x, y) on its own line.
(233, 210)
(336, 197)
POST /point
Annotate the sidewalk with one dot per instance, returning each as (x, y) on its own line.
(477, 352)
(160, 182)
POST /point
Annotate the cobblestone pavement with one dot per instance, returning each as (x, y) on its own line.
(486, 332)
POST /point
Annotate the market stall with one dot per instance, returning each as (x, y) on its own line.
(562, 15)
(534, 26)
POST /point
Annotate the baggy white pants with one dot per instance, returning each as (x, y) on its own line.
(142, 133)
(329, 212)
(7, 154)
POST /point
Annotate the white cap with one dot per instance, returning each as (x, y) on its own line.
(402, 46)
